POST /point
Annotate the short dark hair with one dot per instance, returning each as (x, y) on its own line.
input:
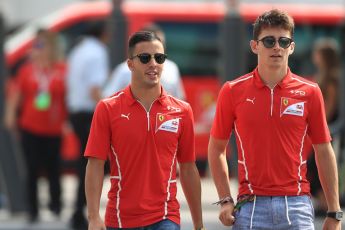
(96, 28)
(140, 36)
(273, 18)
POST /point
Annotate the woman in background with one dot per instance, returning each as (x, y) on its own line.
(39, 97)
(326, 58)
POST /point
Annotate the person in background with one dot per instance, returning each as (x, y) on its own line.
(88, 68)
(39, 97)
(273, 113)
(326, 58)
(171, 79)
(144, 132)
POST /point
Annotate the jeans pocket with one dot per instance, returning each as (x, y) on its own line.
(311, 206)
(242, 216)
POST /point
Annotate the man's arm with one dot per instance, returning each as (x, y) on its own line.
(96, 93)
(328, 174)
(190, 181)
(219, 170)
(93, 190)
(11, 106)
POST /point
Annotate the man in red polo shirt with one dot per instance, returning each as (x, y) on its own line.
(144, 132)
(276, 116)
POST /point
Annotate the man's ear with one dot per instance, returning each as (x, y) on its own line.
(292, 48)
(130, 64)
(254, 46)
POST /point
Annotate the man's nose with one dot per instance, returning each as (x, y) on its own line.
(153, 61)
(276, 45)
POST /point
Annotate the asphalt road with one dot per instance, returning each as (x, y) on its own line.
(50, 222)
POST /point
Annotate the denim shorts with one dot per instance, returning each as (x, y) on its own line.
(276, 212)
(162, 225)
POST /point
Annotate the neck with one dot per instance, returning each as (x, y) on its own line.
(146, 95)
(272, 76)
(43, 64)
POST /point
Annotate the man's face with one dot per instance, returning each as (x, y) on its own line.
(276, 56)
(146, 75)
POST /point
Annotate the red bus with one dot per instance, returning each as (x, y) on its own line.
(192, 34)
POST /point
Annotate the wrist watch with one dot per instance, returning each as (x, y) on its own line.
(335, 215)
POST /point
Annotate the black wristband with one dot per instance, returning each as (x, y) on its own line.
(225, 200)
(335, 215)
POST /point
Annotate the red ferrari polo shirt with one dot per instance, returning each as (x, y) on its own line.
(143, 147)
(47, 121)
(272, 129)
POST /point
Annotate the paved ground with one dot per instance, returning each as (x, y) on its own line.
(49, 222)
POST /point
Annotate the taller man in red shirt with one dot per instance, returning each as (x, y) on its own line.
(276, 116)
(144, 132)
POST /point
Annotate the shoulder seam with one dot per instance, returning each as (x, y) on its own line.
(113, 97)
(234, 82)
(304, 82)
(184, 102)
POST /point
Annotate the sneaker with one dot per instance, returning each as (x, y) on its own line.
(79, 222)
(56, 209)
(33, 218)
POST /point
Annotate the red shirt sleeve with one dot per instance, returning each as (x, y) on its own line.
(186, 145)
(99, 142)
(224, 117)
(23, 77)
(318, 129)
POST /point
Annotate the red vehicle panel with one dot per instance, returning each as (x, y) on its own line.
(201, 89)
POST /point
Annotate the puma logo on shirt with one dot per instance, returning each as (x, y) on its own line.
(251, 100)
(125, 116)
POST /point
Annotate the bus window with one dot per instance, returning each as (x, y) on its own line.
(71, 35)
(305, 35)
(193, 46)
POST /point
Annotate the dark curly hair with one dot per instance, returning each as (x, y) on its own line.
(273, 18)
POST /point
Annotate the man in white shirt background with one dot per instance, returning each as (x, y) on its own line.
(88, 69)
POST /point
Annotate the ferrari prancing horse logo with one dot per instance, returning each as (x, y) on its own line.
(291, 106)
(167, 122)
(285, 101)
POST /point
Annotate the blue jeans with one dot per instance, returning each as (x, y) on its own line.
(162, 225)
(276, 212)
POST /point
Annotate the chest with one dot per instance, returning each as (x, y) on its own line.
(281, 108)
(52, 82)
(159, 127)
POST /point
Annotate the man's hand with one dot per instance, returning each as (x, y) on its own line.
(226, 214)
(96, 224)
(331, 224)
